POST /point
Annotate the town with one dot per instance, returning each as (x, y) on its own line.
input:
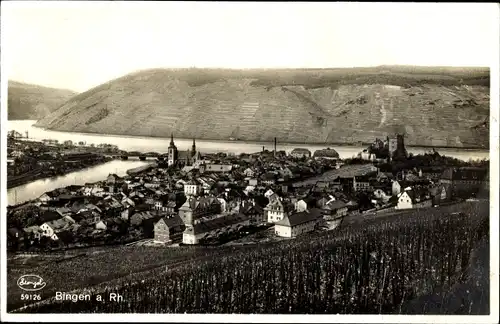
(192, 198)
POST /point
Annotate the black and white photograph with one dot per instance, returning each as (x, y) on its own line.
(249, 161)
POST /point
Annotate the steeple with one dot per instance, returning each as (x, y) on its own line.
(193, 148)
(172, 140)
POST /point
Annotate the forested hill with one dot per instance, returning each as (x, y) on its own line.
(432, 106)
(29, 101)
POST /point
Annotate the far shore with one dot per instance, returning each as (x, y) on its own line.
(354, 144)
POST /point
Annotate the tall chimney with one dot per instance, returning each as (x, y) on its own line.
(275, 147)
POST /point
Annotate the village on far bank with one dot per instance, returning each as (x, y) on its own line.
(192, 198)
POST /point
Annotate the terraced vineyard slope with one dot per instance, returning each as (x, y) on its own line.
(29, 101)
(433, 106)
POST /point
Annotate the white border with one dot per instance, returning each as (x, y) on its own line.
(494, 264)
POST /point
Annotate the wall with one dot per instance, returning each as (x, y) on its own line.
(283, 231)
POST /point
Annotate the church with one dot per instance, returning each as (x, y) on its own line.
(182, 158)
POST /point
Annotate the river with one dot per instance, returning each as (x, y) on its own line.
(36, 188)
(154, 144)
(147, 144)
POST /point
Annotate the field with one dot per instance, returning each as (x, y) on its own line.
(374, 266)
(433, 107)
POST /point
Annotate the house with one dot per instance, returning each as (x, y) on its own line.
(165, 205)
(127, 213)
(195, 208)
(55, 226)
(167, 227)
(253, 182)
(48, 196)
(326, 154)
(15, 236)
(465, 181)
(64, 211)
(193, 188)
(297, 223)
(299, 153)
(248, 172)
(268, 193)
(101, 225)
(277, 209)
(305, 204)
(253, 211)
(48, 216)
(380, 194)
(361, 183)
(139, 217)
(439, 194)
(219, 168)
(335, 209)
(268, 178)
(213, 228)
(64, 237)
(113, 179)
(406, 200)
(33, 232)
(223, 205)
(398, 186)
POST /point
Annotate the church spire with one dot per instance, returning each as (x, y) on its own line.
(193, 148)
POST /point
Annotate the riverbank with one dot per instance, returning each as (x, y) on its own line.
(42, 173)
(158, 144)
(32, 190)
(249, 141)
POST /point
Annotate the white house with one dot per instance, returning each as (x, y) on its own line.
(406, 199)
(269, 193)
(297, 223)
(193, 188)
(396, 188)
(253, 182)
(101, 226)
(380, 194)
(223, 204)
(52, 227)
(277, 209)
(249, 172)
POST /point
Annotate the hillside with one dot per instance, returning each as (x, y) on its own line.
(29, 101)
(433, 106)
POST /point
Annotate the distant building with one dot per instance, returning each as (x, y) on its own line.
(193, 188)
(213, 228)
(465, 180)
(396, 144)
(167, 227)
(182, 158)
(327, 154)
(361, 183)
(298, 223)
(219, 168)
(196, 208)
(277, 209)
(300, 153)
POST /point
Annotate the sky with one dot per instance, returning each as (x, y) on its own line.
(80, 45)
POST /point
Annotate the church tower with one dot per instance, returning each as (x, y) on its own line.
(172, 151)
(193, 149)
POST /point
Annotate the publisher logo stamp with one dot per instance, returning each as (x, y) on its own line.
(31, 283)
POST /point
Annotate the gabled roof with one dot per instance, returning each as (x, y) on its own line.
(470, 174)
(48, 216)
(328, 152)
(219, 223)
(300, 218)
(172, 221)
(335, 204)
(300, 150)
